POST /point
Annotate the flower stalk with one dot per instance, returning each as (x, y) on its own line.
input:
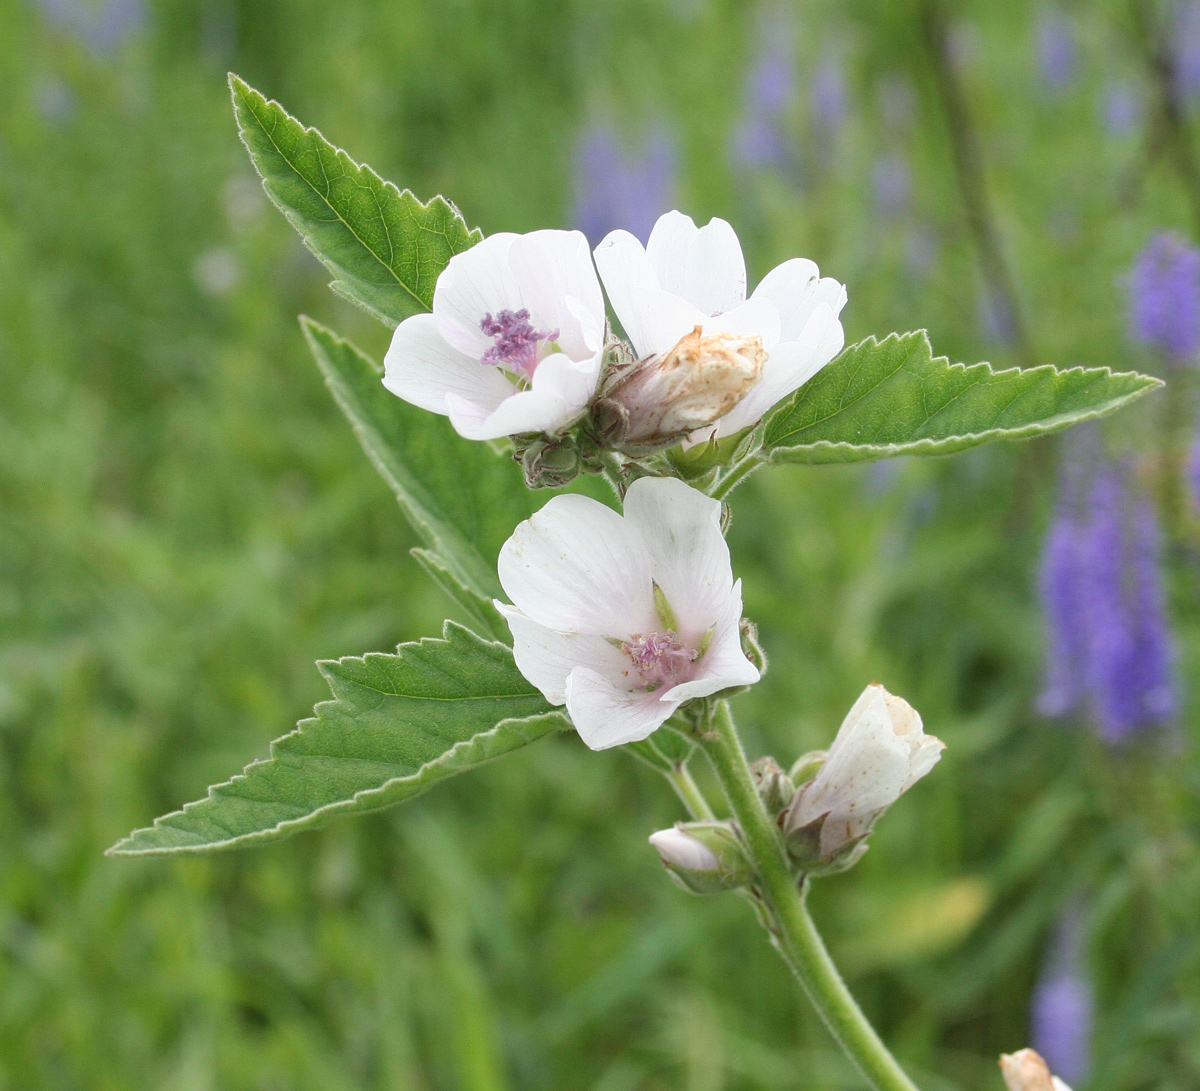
(792, 929)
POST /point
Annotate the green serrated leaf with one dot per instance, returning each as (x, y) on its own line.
(385, 247)
(459, 496)
(893, 397)
(396, 726)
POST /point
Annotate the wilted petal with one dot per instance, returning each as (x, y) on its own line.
(423, 369)
(607, 715)
(577, 566)
(790, 365)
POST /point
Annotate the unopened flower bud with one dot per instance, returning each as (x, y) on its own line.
(550, 464)
(880, 751)
(663, 399)
(703, 857)
(774, 786)
(1026, 1071)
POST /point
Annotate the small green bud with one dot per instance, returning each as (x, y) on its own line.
(703, 857)
(806, 766)
(550, 464)
(773, 784)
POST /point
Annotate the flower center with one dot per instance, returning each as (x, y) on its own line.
(517, 342)
(660, 658)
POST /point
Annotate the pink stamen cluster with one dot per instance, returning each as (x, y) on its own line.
(516, 346)
(661, 658)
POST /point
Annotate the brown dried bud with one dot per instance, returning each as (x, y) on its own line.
(1026, 1071)
(663, 399)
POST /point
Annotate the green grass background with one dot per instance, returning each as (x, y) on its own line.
(186, 523)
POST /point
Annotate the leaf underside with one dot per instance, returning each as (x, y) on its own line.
(397, 724)
(385, 247)
(893, 397)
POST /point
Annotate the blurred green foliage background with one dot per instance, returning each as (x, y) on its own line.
(186, 523)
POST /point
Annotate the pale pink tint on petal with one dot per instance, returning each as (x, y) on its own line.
(476, 282)
(545, 656)
(689, 558)
(550, 267)
(576, 566)
(607, 715)
(423, 369)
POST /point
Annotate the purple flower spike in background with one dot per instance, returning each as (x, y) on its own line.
(1164, 297)
(891, 181)
(829, 97)
(1187, 48)
(761, 139)
(1056, 50)
(1109, 646)
(1121, 109)
(1062, 587)
(1061, 1011)
(614, 189)
(102, 25)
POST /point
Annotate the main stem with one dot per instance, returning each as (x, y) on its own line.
(793, 931)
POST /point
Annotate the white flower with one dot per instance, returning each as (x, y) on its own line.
(687, 276)
(879, 753)
(515, 340)
(681, 850)
(1026, 1071)
(624, 618)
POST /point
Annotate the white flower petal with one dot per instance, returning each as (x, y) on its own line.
(606, 715)
(796, 287)
(702, 265)
(724, 664)
(716, 274)
(573, 382)
(652, 319)
(754, 318)
(524, 411)
(681, 850)
(689, 558)
(423, 369)
(867, 765)
(546, 657)
(577, 566)
(476, 282)
(789, 366)
(550, 268)
(669, 249)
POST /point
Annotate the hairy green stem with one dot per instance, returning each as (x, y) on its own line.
(734, 477)
(689, 793)
(792, 929)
